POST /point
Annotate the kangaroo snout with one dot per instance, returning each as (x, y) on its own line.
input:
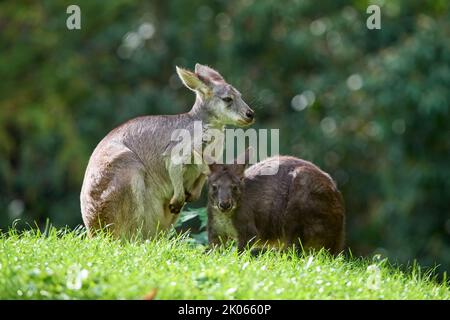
(248, 117)
(250, 114)
(225, 205)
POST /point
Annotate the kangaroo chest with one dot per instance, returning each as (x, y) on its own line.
(210, 143)
(223, 225)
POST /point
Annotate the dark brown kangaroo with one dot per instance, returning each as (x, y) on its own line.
(298, 206)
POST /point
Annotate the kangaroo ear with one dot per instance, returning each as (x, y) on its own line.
(244, 158)
(239, 170)
(192, 81)
(214, 167)
(243, 161)
(207, 74)
(208, 159)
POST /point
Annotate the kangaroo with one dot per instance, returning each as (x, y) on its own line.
(131, 185)
(298, 206)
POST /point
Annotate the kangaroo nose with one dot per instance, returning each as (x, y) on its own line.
(225, 205)
(250, 114)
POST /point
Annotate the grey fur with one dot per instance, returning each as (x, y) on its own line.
(131, 187)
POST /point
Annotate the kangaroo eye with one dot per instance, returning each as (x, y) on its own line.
(214, 187)
(227, 99)
(234, 187)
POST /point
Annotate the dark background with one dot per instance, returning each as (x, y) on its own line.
(370, 107)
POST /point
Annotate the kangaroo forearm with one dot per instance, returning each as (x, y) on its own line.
(247, 238)
(213, 238)
(176, 177)
(198, 184)
(196, 191)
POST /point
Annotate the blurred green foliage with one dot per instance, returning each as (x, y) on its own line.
(369, 106)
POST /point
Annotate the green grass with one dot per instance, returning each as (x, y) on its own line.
(68, 265)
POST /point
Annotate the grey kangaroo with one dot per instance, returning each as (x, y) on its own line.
(298, 206)
(131, 185)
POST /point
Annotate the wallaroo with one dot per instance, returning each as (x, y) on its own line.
(132, 185)
(298, 206)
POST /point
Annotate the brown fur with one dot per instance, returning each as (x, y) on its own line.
(300, 204)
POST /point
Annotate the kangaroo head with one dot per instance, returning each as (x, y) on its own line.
(216, 99)
(225, 186)
(226, 183)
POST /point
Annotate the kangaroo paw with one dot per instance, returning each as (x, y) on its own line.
(191, 196)
(175, 206)
(188, 196)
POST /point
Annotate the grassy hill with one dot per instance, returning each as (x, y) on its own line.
(63, 264)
